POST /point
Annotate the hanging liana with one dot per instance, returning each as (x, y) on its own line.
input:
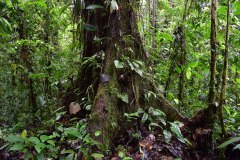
(113, 6)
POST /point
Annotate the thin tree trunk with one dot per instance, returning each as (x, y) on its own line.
(172, 65)
(212, 91)
(180, 52)
(237, 75)
(24, 54)
(75, 18)
(224, 76)
(170, 71)
(182, 57)
(213, 42)
(48, 53)
(153, 25)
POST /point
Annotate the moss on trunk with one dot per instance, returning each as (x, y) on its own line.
(123, 41)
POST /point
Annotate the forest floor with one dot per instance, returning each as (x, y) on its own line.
(139, 142)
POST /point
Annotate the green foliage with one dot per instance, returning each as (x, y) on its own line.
(5, 27)
(122, 153)
(156, 119)
(50, 58)
(225, 144)
(54, 45)
(175, 129)
(133, 65)
(40, 145)
(27, 145)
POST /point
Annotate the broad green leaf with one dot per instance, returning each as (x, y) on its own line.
(70, 156)
(188, 142)
(97, 133)
(193, 64)
(189, 73)
(50, 147)
(94, 6)
(234, 68)
(17, 147)
(236, 7)
(43, 138)
(24, 134)
(238, 80)
(127, 158)
(140, 110)
(144, 117)
(74, 132)
(123, 97)
(51, 142)
(166, 36)
(223, 145)
(139, 62)
(97, 156)
(118, 64)
(162, 120)
(13, 138)
(178, 70)
(67, 151)
(156, 112)
(176, 130)
(131, 115)
(131, 65)
(33, 140)
(139, 71)
(152, 124)
(222, 10)
(55, 134)
(59, 115)
(5, 27)
(121, 154)
(39, 147)
(135, 64)
(9, 3)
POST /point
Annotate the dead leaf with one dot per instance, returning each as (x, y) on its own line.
(74, 108)
(148, 142)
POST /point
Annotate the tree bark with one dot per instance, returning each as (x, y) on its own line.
(224, 76)
(212, 91)
(89, 75)
(48, 56)
(24, 55)
(123, 40)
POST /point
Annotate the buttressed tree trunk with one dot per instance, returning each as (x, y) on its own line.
(122, 80)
